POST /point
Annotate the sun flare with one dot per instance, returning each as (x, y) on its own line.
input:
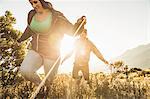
(67, 45)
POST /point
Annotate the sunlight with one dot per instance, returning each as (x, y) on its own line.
(66, 45)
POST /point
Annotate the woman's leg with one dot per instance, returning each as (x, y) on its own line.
(31, 63)
(47, 66)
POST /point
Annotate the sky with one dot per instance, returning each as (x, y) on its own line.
(114, 26)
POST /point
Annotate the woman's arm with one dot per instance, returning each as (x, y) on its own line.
(68, 28)
(28, 32)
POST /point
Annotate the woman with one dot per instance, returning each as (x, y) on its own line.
(46, 26)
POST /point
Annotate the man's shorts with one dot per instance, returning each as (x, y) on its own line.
(84, 70)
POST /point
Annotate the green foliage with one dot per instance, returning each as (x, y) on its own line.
(11, 55)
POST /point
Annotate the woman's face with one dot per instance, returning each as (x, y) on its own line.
(36, 4)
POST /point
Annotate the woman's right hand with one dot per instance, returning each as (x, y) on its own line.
(78, 23)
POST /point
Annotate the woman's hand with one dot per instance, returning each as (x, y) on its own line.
(80, 24)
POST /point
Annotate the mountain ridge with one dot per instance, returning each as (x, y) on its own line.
(136, 57)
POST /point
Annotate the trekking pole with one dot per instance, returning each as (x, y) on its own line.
(43, 81)
(111, 68)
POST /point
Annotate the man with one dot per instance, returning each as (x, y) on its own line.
(82, 50)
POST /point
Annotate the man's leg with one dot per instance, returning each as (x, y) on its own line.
(75, 75)
(75, 72)
(31, 63)
(85, 71)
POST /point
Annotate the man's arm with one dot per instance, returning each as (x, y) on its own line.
(98, 53)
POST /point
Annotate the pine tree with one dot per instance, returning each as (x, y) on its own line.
(11, 55)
